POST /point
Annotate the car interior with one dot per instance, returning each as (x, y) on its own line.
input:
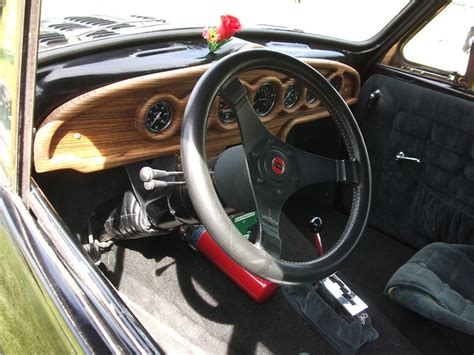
(292, 163)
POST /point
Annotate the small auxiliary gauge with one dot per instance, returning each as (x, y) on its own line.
(264, 99)
(291, 96)
(158, 117)
(311, 96)
(226, 114)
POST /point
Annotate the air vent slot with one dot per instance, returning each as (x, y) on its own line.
(101, 34)
(67, 26)
(52, 38)
(120, 26)
(91, 20)
(147, 18)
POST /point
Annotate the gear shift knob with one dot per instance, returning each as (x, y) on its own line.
(316, 224)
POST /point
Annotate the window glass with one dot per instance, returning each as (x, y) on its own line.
(11, 22)
(444, 43)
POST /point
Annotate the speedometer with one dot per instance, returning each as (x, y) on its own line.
(264, 99)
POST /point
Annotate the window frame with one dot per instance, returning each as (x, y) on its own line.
(423, 70)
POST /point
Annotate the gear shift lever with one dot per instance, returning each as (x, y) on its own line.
(316, 226)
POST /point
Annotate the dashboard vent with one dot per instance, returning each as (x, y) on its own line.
(79, 29)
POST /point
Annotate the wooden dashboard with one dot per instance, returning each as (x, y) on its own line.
(106, 127)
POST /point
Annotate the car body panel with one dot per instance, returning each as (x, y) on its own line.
(25, 306)
(11, 24)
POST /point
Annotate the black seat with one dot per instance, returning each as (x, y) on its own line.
(438, 283)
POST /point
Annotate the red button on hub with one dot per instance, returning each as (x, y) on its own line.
(278, 165)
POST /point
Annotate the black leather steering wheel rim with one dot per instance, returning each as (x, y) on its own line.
(203, 194)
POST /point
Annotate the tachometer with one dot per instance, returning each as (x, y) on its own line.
(158, 117)
(226, 114)
(264, 99)
(291, 96)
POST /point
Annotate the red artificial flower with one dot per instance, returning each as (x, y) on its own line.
(229, 26)
(217, 37)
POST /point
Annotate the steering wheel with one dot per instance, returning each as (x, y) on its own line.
(276, 170)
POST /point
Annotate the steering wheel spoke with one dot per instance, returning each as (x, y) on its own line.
(269, 204)
(311, 169)
(253, 132)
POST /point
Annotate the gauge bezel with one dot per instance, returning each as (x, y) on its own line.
(275, 94)
(162, 129)
(177, 110)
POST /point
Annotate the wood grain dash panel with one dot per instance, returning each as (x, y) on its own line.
(105, 128)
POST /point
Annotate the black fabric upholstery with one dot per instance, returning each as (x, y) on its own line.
(437, 283)
(428, 202)
(347, 337)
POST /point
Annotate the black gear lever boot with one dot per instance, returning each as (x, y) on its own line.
(128, 220)
(346, 334)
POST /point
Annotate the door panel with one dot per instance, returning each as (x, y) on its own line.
(433, 200)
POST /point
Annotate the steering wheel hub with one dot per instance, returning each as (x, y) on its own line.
(275, 167)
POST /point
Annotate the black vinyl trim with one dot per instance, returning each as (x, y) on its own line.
(109, 43)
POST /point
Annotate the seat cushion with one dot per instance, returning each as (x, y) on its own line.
(438, 283)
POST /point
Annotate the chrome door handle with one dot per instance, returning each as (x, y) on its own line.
(402, 156)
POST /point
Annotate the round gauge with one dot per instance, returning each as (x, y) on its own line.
(226, 114)
(336, 82)
(158, 117)
(264, 99)
(291, 96)
(311, 96)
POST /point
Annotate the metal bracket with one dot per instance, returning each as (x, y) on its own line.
(344, 296)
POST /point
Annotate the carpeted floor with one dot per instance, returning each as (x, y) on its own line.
(183, 291)
(171, 287)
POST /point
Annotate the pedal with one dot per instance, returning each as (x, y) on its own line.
(343, 297)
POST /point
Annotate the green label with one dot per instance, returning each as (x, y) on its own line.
(245, 222)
